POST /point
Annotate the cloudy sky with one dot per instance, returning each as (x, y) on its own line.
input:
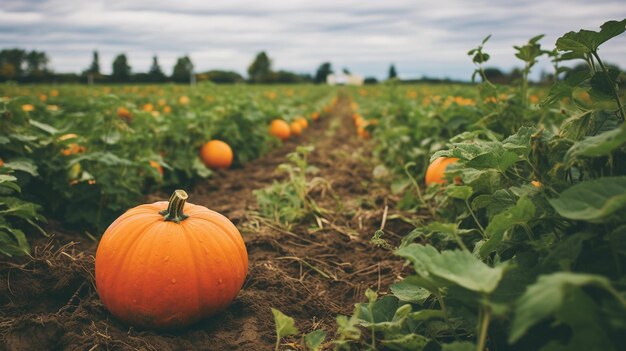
(420, 37)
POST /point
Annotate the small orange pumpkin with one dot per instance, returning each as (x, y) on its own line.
(167, 265)
(436, 171)
(536, 184)
(157, 166)
(295, 128)
(124, 114)
(302, 121)
(1, 162)
(280, 129)
(216, 154)
(315, 115)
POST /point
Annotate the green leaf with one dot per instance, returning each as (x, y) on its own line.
(545, 297)
(453, 267)
(285, 325)
(24, 165)
(408, 342)
(13, 242)
(597, 145)
(201, 170)
(587, 41)
(459, 346)
(462, 192)
(410, 290)
(520, 214)
(592, 200)
(43, 126)
(314, 339)
(603, 85)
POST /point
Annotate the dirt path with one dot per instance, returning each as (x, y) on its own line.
(50, 302)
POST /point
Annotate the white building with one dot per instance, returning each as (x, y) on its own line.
(344, 79)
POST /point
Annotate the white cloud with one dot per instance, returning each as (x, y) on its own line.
(420, 37)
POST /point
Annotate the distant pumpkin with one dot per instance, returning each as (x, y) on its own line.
(216, 154)
(28, 108)
(435, 174)
(315, 115)
(302, 121)
(124, 113)
(157, 166)
(280, 129)
(295, 128)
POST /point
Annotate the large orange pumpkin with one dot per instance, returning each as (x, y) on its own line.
(280, 129)
(217, 154)
(436, 171)
(168, 265)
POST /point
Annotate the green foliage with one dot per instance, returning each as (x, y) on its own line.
(288, 202)
(525, 252)
(16, 214)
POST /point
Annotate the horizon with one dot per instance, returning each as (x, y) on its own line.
(421, 41)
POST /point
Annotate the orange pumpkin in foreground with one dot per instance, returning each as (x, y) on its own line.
(280, 129)
(217, 154)
(436, 171)
(168, 265)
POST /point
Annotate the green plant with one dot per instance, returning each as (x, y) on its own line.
(289, 201)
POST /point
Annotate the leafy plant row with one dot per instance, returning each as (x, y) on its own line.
(525, 246)
(83, 156)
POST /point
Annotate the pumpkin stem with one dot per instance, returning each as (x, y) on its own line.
(174, 212)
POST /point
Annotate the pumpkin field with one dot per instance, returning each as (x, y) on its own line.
(454, 217)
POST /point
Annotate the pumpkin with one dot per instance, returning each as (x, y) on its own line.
(167, 265)
(536, 184)
(124, 114)
(302, 121)
(295, 128)
(280, 129)
(1, 162)
(362, 132)
(28, 108)
(216, 154)
(157, 166)
(315, 115)
(436, 170)
(73, 149)
(183, 100)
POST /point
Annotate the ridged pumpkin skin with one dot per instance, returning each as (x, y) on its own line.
(436, 170)
(159, 274)
(280, 129)
(217, 154)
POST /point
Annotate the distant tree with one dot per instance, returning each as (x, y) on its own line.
(346, 71)
(155, 74)
(182, 70)
(260, 70)
(223, 77)
(36, 63)
(322, 72)
(121, 69)
(286, 77)
(495, 75)
(370, 80)
(12, 63)
(94, 68)
(392, 72)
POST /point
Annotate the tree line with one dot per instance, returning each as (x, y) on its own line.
(32, 67)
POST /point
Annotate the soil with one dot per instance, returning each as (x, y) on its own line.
(49, 302)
